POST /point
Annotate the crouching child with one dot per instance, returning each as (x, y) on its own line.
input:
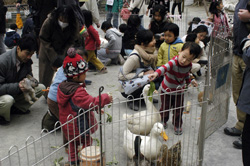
(72, 96)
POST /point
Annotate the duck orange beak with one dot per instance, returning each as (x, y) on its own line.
(164, 136)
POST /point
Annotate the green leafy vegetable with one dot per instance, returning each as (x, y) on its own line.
(57, 161)
(114, 162)
(151, 91)
(109, 119)
(97, 141)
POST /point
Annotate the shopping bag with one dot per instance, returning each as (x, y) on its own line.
(132, 85)
(110, 2)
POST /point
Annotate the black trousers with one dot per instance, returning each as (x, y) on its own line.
(179, 8)
(246, 142)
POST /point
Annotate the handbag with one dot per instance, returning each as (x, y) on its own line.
(110, 2)
(136, 10)
(131, 85)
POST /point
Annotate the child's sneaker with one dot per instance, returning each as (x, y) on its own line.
(177, 130)
(103, 71)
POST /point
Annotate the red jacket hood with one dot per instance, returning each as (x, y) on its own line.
(66, 90)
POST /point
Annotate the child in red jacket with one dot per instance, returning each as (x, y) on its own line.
(92, 42)
(72, 96)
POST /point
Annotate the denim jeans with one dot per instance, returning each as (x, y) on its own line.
(109, 16)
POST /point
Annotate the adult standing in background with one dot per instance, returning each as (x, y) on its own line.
(177, 3)
(40, 11)
(3, 11)
(152, 3)
(140, 4)
(240, 31)
(113, 8)
(59, 31)
(91, 5)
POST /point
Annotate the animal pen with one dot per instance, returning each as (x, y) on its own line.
(200, 119)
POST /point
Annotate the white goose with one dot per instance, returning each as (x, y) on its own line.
(143, 121)
(150, 146)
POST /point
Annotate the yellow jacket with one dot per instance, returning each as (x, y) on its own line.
(168, 51)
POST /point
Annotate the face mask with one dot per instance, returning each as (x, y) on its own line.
(62, 24)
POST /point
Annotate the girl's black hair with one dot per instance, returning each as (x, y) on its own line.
(66, 11)
(171, 27)
(161, 9)
(191, 37)
(134, 22)
(195, 20)
(88, 17)
(106, 25)
(213, 7)
(194, 49)
(200, 28)
(144, 36)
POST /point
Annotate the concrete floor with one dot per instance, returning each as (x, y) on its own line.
(218, 151)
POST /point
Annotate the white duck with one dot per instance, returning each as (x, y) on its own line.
(143, 121)
(150, 146)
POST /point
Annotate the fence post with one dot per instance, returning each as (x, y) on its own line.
(202, 130)
(100, 121)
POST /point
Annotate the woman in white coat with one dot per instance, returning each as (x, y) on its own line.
(140, 4)
(91, 5)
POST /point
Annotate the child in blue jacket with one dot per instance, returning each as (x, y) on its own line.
(12, 36)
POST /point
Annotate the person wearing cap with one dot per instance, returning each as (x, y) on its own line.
(71, 96)
(15, 65)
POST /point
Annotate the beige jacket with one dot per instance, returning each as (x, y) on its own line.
(138, 4)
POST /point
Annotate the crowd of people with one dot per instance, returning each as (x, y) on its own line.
(66, 42)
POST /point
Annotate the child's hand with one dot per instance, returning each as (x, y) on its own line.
(152, 76)
(195, 84)
(110, 97)
(149, 72)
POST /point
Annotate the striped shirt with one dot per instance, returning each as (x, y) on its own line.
(175, 76)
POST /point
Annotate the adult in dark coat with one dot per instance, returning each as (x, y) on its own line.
(240, 31)
(40, 11)
(58, 33)
(243, 102)
(3, 11)
(152, 3)
(14, 67)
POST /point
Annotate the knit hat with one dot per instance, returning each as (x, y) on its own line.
(74, 64)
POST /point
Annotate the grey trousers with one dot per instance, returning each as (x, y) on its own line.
(6, 102)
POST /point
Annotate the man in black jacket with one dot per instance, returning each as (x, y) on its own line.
(3, 11)
(15, 65)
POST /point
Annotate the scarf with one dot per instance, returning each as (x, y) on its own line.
(147, 55)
